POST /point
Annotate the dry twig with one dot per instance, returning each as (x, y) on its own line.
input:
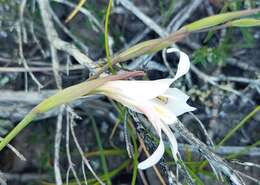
(59, 44)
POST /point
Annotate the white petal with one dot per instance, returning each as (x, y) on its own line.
(172, 139)
(174, 105)
(154, 158)
(162, 111)
(177, 102)
(176, 94)
(136, 90)
(184, 63)
(149, 111)
(129, 103)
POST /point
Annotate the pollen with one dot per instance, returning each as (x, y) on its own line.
(162, 99)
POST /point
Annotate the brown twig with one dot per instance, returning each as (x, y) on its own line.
(154, 167)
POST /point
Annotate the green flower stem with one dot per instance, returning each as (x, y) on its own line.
(62, 97)
(109, 8)
(27, 119)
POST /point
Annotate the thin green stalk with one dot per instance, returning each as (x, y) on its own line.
(106, 35)
(26, 120)
(135, 162)
(102, 155)
(218, 19)
(194, 175)
(75, 11)
(233, 131)
(107, 152)
(121, 110)
(239, 125)
(62, 97)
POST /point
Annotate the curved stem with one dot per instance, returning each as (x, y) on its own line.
(109, 8)
(21, 125)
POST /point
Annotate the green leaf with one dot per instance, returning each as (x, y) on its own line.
(218, 19)
(249, 22)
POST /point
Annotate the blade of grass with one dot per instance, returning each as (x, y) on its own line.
(234, 130)
(135, 157)
(194, 176)
(249, 22)
(101, 149)
(75, 11)
(107, 152)
(106, 36)
(121, 110)
(218, 19)
(239, 125)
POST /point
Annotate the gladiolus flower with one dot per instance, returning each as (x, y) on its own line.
(157, 101)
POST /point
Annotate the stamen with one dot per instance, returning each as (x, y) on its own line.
(162, 99)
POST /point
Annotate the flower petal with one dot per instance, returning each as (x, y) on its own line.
(172, 139)
(184, 63)
(176, 94)
(154, 158)
(177, 102)
(162, 111)
(149, 111)
(136, 90)
(145, 90)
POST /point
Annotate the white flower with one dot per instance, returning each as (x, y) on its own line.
(160, 103)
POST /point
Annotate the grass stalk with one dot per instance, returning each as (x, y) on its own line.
(101, 151)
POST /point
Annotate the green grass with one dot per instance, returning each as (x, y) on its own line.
(101, 150)
(109, 8)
